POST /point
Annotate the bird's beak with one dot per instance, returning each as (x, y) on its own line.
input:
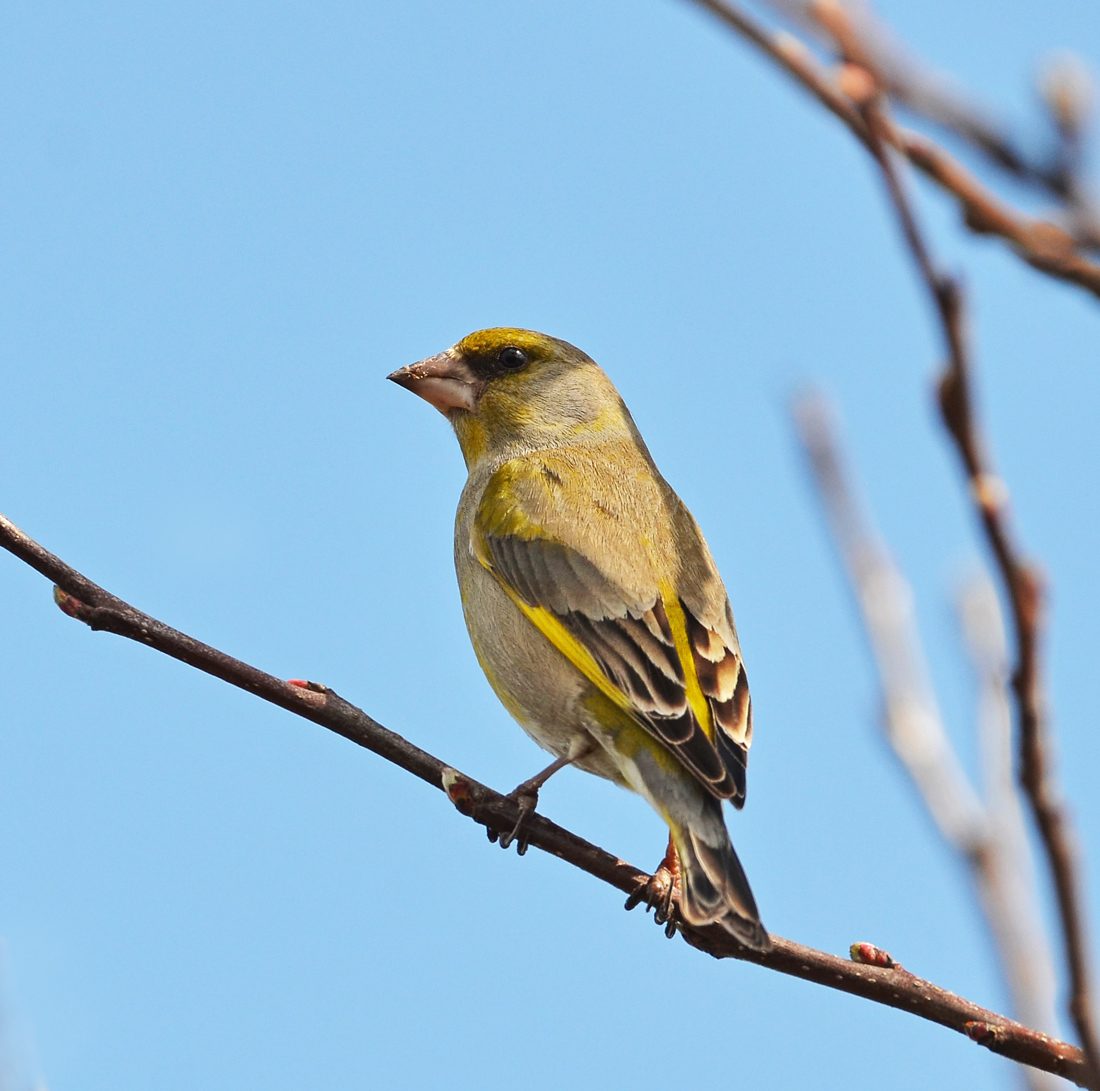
(445, 381)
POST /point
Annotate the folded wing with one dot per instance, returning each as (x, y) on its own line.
(676, 676)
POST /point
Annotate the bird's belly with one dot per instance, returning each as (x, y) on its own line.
(542, 690)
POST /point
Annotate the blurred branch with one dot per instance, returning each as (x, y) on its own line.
(1067, 90)
(915, 84)
(871, 973)
(1022, 585)
(912, 721)
(1041, 243)
(914, 728)
(1024, 590)
(1028, 964)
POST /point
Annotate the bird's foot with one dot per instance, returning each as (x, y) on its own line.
(527, 796)
(661, 892)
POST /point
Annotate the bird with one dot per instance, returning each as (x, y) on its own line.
(595, 608)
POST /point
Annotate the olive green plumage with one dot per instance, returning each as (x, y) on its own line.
(592, 600)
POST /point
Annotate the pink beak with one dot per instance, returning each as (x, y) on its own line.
(445, 381)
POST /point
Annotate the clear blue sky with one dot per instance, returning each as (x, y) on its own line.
(223, 224)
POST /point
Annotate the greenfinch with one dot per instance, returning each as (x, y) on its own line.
(594, 605)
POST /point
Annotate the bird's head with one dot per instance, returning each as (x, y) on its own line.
(508, 388)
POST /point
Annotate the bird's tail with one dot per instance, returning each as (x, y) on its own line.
(713, 886)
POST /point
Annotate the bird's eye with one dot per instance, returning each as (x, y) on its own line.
(512, 357)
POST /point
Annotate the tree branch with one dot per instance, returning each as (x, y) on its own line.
(916, 85)
(987, 834)
(1042, 244)
(1024, 589)
(912, 721)
(1028, 959)
(1022, 584)
(871, 973)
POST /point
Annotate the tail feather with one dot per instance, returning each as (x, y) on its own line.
(714, 888)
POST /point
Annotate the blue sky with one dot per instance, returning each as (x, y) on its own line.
(223, 225)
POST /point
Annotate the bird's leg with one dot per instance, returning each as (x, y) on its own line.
(527, 795)
(661, 891)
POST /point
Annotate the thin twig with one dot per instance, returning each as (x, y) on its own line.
(1029, 965)
(912, 722)
(793, 55)
(871, 973)
(1024, 589)
(1022, 584)
(1042, 244)
(921, 89)
(1068, 92)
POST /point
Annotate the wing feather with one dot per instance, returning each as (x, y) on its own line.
(678, 677)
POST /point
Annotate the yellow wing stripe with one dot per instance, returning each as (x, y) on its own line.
(555, 631)
(552, 628)
(675, 614)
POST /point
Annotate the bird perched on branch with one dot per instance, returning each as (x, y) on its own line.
(594, 605)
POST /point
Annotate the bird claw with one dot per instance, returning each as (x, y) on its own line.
(661, 893)
(656, 893)
(528, 799)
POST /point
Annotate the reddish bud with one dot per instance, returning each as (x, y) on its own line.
(458, 790)
(980, 1032)
(870, 955)
(313, 693)
(70, 604)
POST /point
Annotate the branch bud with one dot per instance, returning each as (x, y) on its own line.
(857, 82)
(458, 791)
(870, 955)
(71, 605)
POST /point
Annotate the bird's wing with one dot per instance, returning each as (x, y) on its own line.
(642, 647)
